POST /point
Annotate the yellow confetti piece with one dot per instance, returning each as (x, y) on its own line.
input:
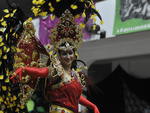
(2, 19)
(4, 24)
(97, 10)
(6, 10)
(51, 52)
(50, 4)
(38, 2)
(11, 30)
(7, 98)
(1, 44)
(52, 17)
(13, 48)
(93, 6)
(8, 72)
(34, 1)
(7, 80)
(14, 98)
(43, 13)
(81, 0)
(6, 16)
(16, 35)
(55, 55)
(6, 36)
(94, 19)
(9, 89)
(8, 49)
(22, 107)
(35, 11)
(77, 16)
(30, 19)
(76, 53)
(1, 39)
(102, 22)
(14, 10)
(2, 29)
(74, 6)
(58, 0)
(78, 69)
(83, 15)
(1, 99)
(51, 9)
(1, 77)
(5, 57)
(93, 16)
(9, 94)
(5, 102)
(82, 25)
(18, 50)
(1, 111)
(17, 110)
(4, 48)
(94, 27)
(0, 52)
(4, 88)
(11, 105)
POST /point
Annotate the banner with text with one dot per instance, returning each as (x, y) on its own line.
(131, 16)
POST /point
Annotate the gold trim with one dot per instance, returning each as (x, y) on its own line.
(59, 109)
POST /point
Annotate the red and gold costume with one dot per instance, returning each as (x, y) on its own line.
(32, 61)
(64, 96)
(63, 90)
(67, 95)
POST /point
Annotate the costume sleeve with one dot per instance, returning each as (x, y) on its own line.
(37, 72)
(31, 71)
(89, 104)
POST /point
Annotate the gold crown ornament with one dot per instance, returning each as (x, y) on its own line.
(66, 32)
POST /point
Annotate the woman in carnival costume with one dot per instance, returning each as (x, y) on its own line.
(64, 79)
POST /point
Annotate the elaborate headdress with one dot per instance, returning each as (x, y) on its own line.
(70, 13)
(66, 32)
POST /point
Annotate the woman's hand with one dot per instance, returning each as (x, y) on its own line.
(95, 109)
(89, 104)
(17, 75)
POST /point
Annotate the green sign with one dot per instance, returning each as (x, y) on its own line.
(131, 16)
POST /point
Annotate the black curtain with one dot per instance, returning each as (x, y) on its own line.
(122, 93)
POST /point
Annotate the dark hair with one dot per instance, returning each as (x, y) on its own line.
(75, 64)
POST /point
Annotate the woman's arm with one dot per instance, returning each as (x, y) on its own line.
(31, 71)
(37, 72)
(89, 104)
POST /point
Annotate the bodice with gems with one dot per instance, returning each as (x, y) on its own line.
(66, 93)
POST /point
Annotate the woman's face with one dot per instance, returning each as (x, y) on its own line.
(66, 57)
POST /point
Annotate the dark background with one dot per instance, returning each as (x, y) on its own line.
(25, 5)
